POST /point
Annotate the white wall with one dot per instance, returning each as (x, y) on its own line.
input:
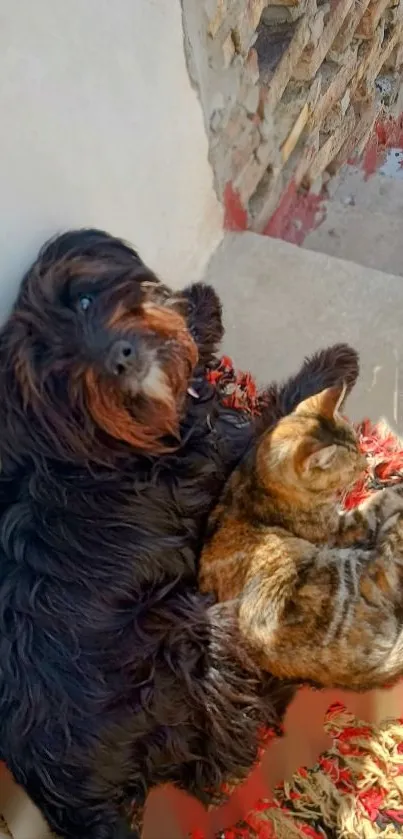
(99, 126)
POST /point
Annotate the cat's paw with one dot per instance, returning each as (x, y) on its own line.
(380, 507)
(397, 488)
(352, 529)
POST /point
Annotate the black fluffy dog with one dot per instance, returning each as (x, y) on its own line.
(115, 673)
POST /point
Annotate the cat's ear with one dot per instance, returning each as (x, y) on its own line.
(327, 403)
(321, 458)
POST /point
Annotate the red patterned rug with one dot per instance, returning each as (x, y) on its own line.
(356, 788)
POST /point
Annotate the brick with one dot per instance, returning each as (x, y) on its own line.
(317, 25)
(236, 123)
(255, 9)
(221, 164)
(251, 67)
(395, 60)
(228, 50)
(291, 3)
(266, 126)
(358, 138)
(364, 93)
(317, 186)
(335, 117)
(278, 15)
(244, 149)
(340, 57)
(331, 147)
(310, 63)
(385, 52)
(311, 149)
(365, 126)
(287, 118)
(334, 83)
(394, 15)
(216, 11)
(242, 36)
(218, 112)
(367, 56)
(269, 155)
(289, 60)
(216, 121)
(369, 21)
(245, 28)
(348, 28)
(248, 179)
(288, 110)
(265, 202)
(289, 144)
(320, 101)
(333, 120)
(249, 98)
(284, 13)
(315, 91)
(345, 101)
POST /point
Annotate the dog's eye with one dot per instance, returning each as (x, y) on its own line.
(84, 302)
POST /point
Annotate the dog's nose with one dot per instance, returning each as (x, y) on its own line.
(121, 357)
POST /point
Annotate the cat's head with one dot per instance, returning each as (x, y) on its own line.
(314, 449)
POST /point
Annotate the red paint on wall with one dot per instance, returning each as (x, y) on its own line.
(235, 215)
(297, 214)
(278, 223)
(371, 159)
(388, 134)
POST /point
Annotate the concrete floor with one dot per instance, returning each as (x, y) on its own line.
(282, 303)
(364, 216)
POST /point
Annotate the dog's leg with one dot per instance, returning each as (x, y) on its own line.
(335, 365)
(102, 821)
(204, 320)
(126, 832)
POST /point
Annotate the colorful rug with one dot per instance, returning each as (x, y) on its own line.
(355, 791)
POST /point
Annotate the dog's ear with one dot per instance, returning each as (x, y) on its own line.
(88, 243)
(204, 320)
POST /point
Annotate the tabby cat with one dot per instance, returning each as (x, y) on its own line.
(318, 592)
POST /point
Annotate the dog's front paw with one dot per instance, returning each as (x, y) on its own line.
(204, 319)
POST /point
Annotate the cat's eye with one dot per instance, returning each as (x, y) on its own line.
(84, 302)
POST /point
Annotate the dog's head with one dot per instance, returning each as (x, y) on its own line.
(98, 350)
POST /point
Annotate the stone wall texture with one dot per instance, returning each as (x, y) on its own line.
(289, 89)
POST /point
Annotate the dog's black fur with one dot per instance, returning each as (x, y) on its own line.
(115, 673)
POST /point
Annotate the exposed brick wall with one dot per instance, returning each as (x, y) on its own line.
(289, 88)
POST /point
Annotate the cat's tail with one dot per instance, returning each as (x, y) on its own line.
(333, 366)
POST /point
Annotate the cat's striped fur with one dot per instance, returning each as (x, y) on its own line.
(318, 593)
